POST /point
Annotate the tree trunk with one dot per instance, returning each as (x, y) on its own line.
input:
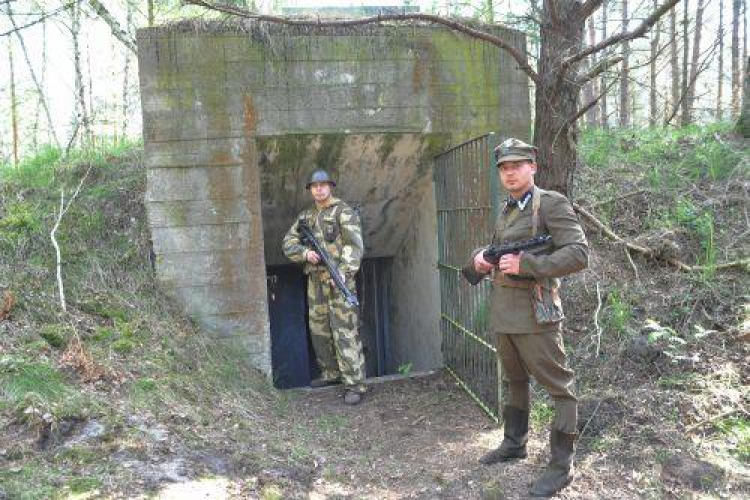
(743, 125)
(150, 13)
(557, 96)
(693, 78)
(653, 71)
(82, 118)
(591, 90)
(674, 60)
(625, 72)
(129, 25)
(13, 105)
(744, 36)
(92, 121)
(684, 91)
(735, 99)
(604, 120)
(720, 82)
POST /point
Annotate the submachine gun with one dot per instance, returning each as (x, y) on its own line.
(494, 252)
(308, 238)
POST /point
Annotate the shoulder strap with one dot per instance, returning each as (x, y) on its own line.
(536, 202)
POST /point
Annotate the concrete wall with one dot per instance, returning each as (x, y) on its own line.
(415, 313)
(213, 93)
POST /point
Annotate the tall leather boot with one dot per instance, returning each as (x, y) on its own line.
(559, 472)
(516, 434)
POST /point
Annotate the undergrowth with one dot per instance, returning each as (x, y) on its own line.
(122, 349)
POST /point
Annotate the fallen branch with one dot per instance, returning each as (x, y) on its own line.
(649, 252)
(715, 418)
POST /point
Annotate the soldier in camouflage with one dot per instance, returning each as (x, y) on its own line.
(526, 312)
(333, 321)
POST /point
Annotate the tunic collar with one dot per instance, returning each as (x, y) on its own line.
(520, 203)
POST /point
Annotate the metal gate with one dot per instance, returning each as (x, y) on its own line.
(467, 192)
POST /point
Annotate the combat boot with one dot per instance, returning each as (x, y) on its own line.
(559, 472)
(516, 434)
(352, 397)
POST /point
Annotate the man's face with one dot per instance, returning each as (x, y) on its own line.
(320, 191)
(517, 176)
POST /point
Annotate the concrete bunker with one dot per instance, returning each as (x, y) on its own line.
(236, 116)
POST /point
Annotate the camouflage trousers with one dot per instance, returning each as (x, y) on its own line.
(334, 332)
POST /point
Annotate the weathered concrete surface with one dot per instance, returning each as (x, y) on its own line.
(415, 312)
(236, 115)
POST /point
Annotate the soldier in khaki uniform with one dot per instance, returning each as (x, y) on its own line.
(333, 321)
(526, 313)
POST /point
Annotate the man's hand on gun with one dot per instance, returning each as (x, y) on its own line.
(508, 264)
(313, 257)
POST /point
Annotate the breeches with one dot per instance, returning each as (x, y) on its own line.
(542, 356)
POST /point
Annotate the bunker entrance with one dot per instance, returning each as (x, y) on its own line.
(388, 178)
(292, 356)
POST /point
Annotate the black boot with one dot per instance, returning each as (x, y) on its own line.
(516, 434)
(559, 471)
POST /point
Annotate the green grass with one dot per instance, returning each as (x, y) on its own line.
(21, 377)
(541, 413)
(737, 428)
(617, 314)
(41, 387)
(666, 156)
(34, 480)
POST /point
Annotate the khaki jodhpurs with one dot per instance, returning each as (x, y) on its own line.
(542, 356)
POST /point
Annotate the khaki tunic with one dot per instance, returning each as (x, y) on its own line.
(511, 308)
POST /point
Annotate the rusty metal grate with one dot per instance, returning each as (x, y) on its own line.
(466, 192)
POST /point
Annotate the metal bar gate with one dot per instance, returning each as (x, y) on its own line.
(467, 192)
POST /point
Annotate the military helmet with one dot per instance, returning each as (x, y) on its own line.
(514, 150)
(320, 176)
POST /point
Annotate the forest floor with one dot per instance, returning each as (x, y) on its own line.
(122, 397)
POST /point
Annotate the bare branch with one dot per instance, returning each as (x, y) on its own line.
(519, 57)
(582, 111)
(600, 68)
(646, 25)
(589, 7)
(114, 26)
(743, 263)
(41, 19)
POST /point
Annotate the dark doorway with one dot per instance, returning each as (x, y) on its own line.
(292, 356)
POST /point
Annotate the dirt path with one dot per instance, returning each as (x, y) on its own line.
(419, 438)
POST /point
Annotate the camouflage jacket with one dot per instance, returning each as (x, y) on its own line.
(337, 228)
